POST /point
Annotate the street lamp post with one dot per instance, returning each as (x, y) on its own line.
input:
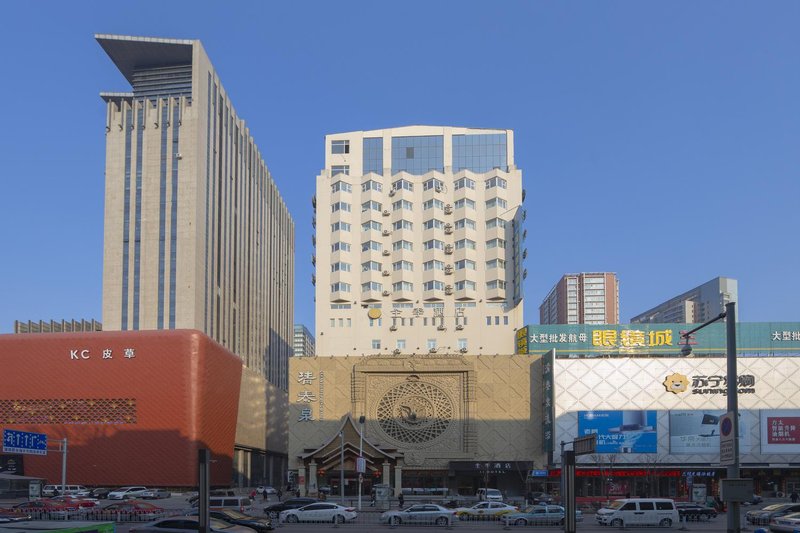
(361, 421)
(733, 518)
(341, 469)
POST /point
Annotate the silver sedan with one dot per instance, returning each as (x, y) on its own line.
(427, 513)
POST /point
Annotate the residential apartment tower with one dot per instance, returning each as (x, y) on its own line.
(585, 298)
(695, 306)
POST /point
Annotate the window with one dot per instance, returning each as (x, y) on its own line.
(371, 286)
(496, 182)
(433, 223)
(402, 224)
(340, 226)
(402, 305)
(433, 202)
(402, 245)
(401, 344)
(403, 184)
(495, 243)
(340, 286)
(373, 155)
(371, 225)
(465, 264)
(433, 183)
(343, 267)
(495, 223)
(340, 147)
(340, 169)
(373, 322)
(431, 344)
(434, 285)
(466, 284)
(371, 245)
(465, 223)
(370, 265)
(340, 206)
(496, 202)
(402, 286)
(434, 305)
(376, 344)
(402, 204)
(495, 263)
(464, 202)
(403, 265)
(433, 265)
(460, 305)
(371, 205)
(495, 284)
(433, 244)
(340, 306)
(480, 153)
(462, 344)
(371, 185)
(341, 186)
(417, 155)
(343, 246)
(469, 244)
(464, 182)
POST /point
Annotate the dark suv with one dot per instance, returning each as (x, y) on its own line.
(695, 511)
(275, 509)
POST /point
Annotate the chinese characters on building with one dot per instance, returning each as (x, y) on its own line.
(307, 397)
(107, 353)
(785, 336)
(718, 384)
(608, 338)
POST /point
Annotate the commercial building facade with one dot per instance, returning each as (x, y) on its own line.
(698, 305)
(419, 242)
(656, 414)
(585, 298)
(303, 342)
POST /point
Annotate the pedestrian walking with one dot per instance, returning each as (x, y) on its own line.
(253, 494)
(279, 493)
(400, 500)
(794, 496)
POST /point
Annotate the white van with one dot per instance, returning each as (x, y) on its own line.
(639, 512)
(489, 495)
(68, 490)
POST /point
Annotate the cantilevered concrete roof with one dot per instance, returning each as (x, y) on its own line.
(133, 53)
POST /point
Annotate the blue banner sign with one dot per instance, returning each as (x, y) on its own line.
(24, 442)
(620, 431)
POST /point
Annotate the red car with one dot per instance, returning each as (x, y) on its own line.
(130, 511)
(13, 515)
(49, 509)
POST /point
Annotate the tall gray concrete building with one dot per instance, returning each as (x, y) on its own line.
(197, 235)
(694, 306)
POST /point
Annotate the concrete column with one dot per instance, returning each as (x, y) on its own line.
(301, 480)
(387, 480)
(398, 480)
(312, 479)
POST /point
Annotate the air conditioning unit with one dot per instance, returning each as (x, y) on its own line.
(396, 351)
(391, 192)
(385, 272)
(448, 249)
(460, 327)
(448, 269)
(463, 350)
(448, 209)
(386, 233)
(439, 188)
(386, 293)
(448, 289)
(386, 212)
(393, 328)
(386, 252)
(432, 350)
(441, 328)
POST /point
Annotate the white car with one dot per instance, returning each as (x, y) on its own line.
(427, 513)
(319, 512)
(123, 493)
(492, 510)
(785, 524)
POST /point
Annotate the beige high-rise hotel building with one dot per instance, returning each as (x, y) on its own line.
(418, 242)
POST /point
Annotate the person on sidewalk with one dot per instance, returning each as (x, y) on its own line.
(400, 500)
(794, 496)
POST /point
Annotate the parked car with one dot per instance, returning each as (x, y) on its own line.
(273, 511)
(194, 496)
(492, 510)
(490, 495)
(763, 516)
(235, 517)
(785, 524)
(319, 512)
(420, 514)
(83, 505)
(639, 512)
(48, 510)
(13, 515)
(99, 493)
(129, 511)
(537, 498)
(124, 493)
(237, 503)
(695, 511)
(756, 499)
(155, 494)
(539, 515)
(181, 524)
(66, 490)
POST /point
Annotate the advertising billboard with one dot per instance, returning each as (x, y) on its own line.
(621, 431)
(780, 431)
(692, 432)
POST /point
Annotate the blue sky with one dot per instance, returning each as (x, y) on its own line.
(658, 140)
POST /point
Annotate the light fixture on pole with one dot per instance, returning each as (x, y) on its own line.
(341, 469)
(361, 467)
(733, 518)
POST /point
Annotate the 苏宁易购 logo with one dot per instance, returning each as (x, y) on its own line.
(676, 383)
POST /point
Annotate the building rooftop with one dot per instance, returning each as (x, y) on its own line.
(134, 53)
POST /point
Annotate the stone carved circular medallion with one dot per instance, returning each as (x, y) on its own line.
(415, 412)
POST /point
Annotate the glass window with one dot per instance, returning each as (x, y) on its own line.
(371, 245)
(496, 284)
(403, 265)
(495, 223)
(469, 244)
(495, 243)
(340, 206)
(433, 183)
(433, 285)
(371, 185)
(402, 245)
(465, 264)
(340, 266)
(464, 202)
(376, 344)
(371, 286)
(480, 153)
(433, 244)
(343, 246)
(341, 186)
(340, 226)
(466, 284)
(340, 286)
(496, 202)
(462, 344)
(370, 265)
(402, 224)
(373, 155)
(371, 225)
(465, 223)
(401, 344)
(417, 155)
(402, 204)
(495, 263)
(496, 182)
(464, 182)
(402, 184)
(371, 205)
(433, 265)
(402, 286)
(433, 223)
(340, 147)
(433, 202)
(431, 344)
(340, 169)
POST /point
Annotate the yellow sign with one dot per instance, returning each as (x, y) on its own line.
(676, 383)
(374, 313)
